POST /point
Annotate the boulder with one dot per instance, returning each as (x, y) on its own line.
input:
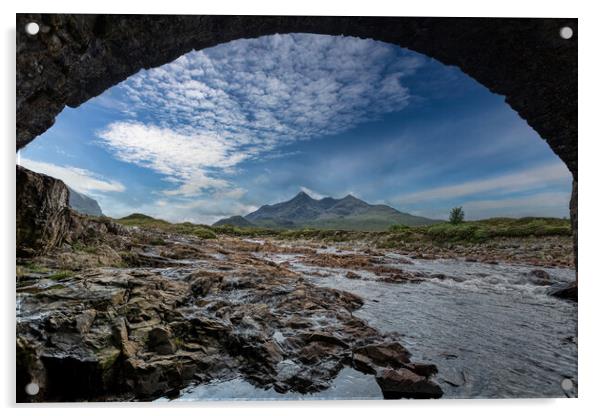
(403, 383)
(565, 291)
(352, 275)
(539, 277)
(43, 213)
(390, 354)
(422, 369)
(159, 341)
(202, 282)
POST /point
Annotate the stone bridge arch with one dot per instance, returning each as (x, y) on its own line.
(76, 57)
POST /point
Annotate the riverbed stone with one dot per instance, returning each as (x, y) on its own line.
(403, 383)
(568, 291)
(390, 354)
(159, 341)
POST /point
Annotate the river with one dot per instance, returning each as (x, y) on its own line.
(491, 329)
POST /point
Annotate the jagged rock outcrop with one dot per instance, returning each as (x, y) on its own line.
(43, 213)
(45, 220)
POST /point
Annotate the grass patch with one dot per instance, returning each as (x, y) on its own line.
(84, 248)
(143, 221)
(248, 232)
(60, 275)
(30, 267)
(150, 223)
(398, 228)
(476, 231)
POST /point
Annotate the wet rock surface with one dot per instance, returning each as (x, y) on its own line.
(567, 291)
(194, 311)
(403, 383)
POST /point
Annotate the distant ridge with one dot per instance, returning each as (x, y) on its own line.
(83, 203)
(236, 221)
(348, 213)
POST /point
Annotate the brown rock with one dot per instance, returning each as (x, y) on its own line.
(422, 369)
(324, 338)
(202, 283)
(384, 355)
(403, 383)
(352, 275)
(159, 341)
(84, 321)
(364, 364)
(43, 213)
(539, 277)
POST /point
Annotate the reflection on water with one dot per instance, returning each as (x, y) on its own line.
(349, 384)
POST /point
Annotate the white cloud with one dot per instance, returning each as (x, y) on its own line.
(200, 211)
(312, 193)
(208, 111)
(183, 159)
(550, 174)
(81, 180)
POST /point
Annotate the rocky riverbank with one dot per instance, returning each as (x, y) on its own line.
(149, 313)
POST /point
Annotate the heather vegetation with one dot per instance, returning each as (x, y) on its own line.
(466, 231)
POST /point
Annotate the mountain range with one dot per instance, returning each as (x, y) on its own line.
(348, 213)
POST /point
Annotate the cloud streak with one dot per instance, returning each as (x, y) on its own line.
(528, 205)
(81, 180)
(546, 175)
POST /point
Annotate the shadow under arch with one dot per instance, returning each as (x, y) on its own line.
(76, 57)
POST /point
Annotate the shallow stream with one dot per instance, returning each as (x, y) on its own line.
(491, 329)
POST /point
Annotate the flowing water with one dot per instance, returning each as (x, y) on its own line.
(492, 330)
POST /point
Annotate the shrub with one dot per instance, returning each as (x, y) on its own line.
(456, 215)
(449, 232)
(204, 233)
(398, 227)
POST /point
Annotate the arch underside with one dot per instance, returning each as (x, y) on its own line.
(76, 57)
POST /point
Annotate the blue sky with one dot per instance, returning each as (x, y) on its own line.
(223, 131)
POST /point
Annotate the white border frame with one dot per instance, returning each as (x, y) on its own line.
(589, 199)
